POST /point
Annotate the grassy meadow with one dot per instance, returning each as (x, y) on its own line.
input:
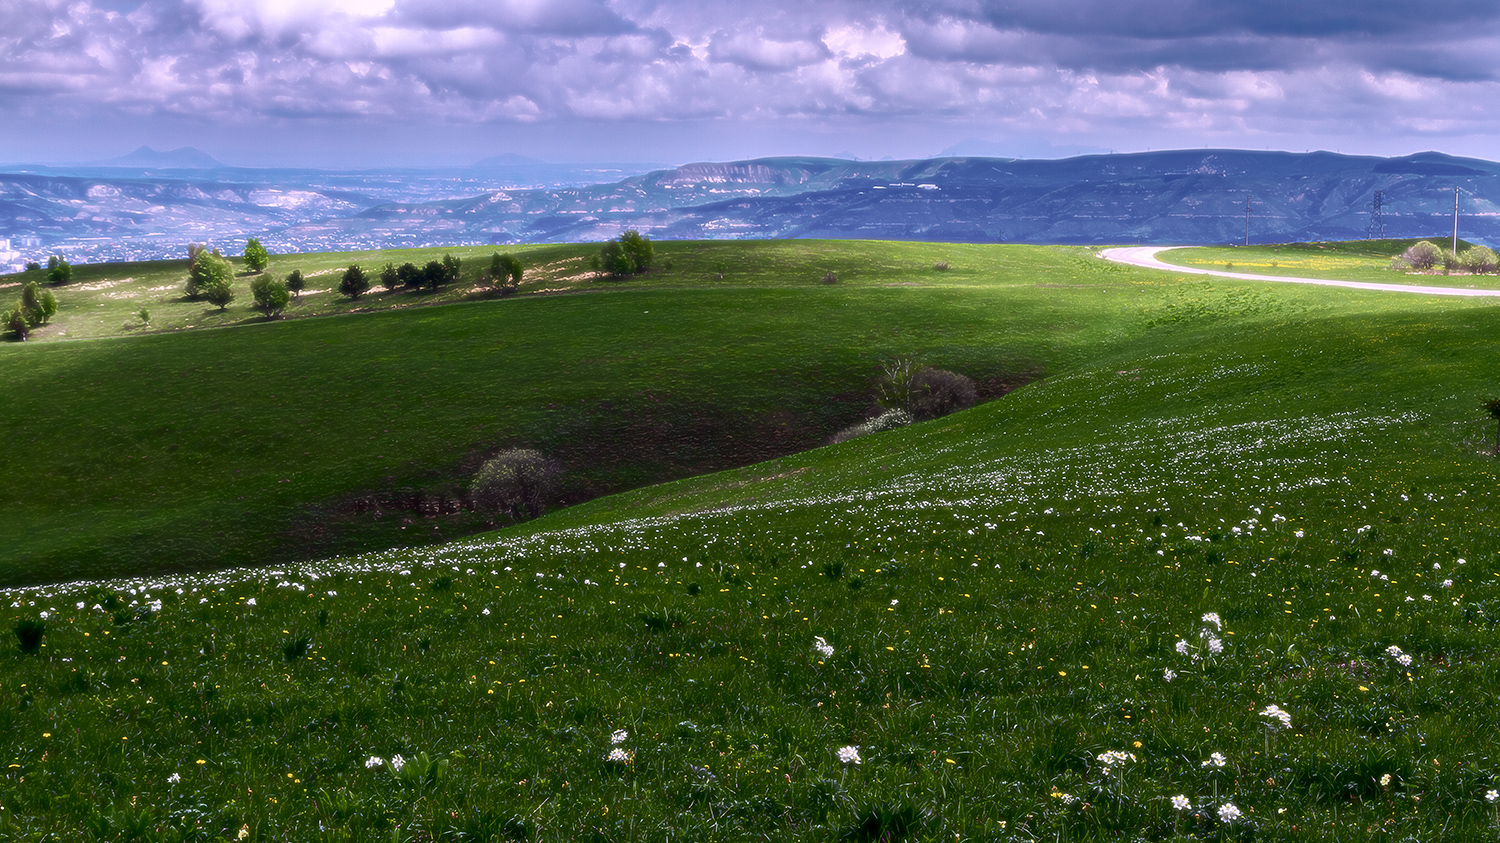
(1360, 260)
(1227, 568)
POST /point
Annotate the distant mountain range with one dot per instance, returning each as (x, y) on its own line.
(1184, 196)
(185, 158)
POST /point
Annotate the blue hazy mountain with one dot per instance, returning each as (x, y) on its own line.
(1182, 196)
(183, 158)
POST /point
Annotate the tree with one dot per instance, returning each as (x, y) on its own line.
(410, 276)
(505, 271)
(629, 254)
(295, 282)
(220, 291)
(1422, 256)
(1480, 260)
(354, 283)
(1491, 406)
(434, 274)
(33, 266)
(207, 270)
(256, 256)
(451, 267)
(37, 305)
(518, 481)
(271, 295)
(390, 278)
(59, 271)
(15, 322)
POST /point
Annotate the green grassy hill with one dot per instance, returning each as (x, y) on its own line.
(1042, 618)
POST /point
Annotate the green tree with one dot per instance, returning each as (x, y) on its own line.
(207, 270)
(451, 268)
(390, 277)
(271, 295)
(354, 283)
(295, 282)
(505, 270)
(220, 291)
(256, 256)
(434, 274)
(37, 305)
(410, 275)
(1480, 260)
(629, 254)
(59, 271)
(15, 322)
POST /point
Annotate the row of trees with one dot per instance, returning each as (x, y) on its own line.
(59, 271)
(629, 254)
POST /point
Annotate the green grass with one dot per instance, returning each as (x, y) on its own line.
(1359, 260)
(1003, 591)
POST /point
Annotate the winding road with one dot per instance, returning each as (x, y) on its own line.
(1145, 256)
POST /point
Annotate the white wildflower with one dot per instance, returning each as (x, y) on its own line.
(1215, 760)
(823, 647)
(1276, 712)
(1180, 803)
(1215, 645)
(620, 755)
(1298, 534)
(1385, 780)
(1228, 813)
(1213, 618)
(1113, 758)
(397, 762)
(374, 761)
(250, 602)
(619, 736)
(1492, 796)
(1447, 583)
(174, 778)
(849, 755)
(1168, 674)
(1182, 647)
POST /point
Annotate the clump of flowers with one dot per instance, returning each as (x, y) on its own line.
(1277, 715)
(822, 647)
(619, 736)
(1112, 760)
(1400, 657)
(849, 755)
(1209, 642)
(1228, 813)
(1215, 761)
(1180, 803)
(620, 755)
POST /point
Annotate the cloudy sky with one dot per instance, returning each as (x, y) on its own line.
(432, 82)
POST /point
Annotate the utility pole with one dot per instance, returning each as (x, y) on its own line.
(1455, 221)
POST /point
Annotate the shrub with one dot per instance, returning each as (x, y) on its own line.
(830, 277)
(271, 295)
(452, 269)
(208, 269)
(938, 392)
(29, 633)
(390, 278)
(1422, 256)
(256, 256)
(295, 282)
(941, 266)
(1480, 260)
(144, 314)
(37, 305)
(354, 283)
(518, 482)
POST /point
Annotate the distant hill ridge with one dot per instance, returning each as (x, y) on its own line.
(1193, 196)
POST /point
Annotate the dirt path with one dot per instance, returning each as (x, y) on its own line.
(1145, 256)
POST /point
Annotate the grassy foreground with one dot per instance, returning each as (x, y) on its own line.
(1043, 618)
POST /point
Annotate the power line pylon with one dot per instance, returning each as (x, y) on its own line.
(1376, 230)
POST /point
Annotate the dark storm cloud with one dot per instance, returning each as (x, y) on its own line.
(1087, 69)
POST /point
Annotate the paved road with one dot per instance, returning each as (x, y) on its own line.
(1146, 256)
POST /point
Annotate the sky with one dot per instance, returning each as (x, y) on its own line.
(373, 83)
